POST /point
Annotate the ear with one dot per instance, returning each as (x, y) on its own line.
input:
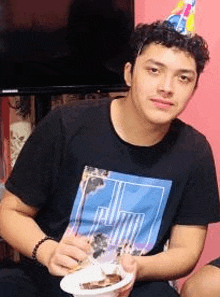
(127, 74)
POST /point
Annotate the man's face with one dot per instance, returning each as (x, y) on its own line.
(161, 83)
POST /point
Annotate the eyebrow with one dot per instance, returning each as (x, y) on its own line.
(163, 65)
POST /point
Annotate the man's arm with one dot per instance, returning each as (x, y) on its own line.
(19, 229)
(185, 247)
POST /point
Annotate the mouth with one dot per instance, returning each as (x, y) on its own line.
(162, 104)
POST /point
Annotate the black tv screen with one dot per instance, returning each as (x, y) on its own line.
(57, 46)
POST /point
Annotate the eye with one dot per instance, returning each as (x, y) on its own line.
(153, 70)
(185, 78)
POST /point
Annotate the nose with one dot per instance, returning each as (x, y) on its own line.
(166, 86)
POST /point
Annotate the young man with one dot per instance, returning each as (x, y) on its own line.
(126, 168)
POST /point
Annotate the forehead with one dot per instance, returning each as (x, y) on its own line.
(170, 57)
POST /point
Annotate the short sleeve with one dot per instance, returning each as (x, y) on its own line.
(200, 200)
(34, 174)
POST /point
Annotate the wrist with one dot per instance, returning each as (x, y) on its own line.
(43, 250)
(141, 262)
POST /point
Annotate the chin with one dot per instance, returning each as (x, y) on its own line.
(160, 117)
(161, 121)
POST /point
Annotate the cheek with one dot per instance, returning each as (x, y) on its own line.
(144, 85)
(185, 94)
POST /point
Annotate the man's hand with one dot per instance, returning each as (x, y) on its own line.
(129, 264)
(66, 255)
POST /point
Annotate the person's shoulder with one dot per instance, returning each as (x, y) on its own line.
(85, 104)
(190, 137)
(188, 129)
(73, 116)
(79, 107)
(65, 115)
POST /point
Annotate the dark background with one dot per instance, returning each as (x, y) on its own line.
(45, 48)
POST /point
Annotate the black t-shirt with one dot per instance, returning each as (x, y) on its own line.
(149, 188)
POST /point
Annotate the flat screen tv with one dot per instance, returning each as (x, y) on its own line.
(64, 45)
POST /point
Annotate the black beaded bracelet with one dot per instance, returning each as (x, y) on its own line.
(34, 253)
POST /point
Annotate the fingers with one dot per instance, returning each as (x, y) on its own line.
(77, 241)
(76, 249)
(65, 261)
(58, 270)
(129, 264)
(70, 251)
(125, 291)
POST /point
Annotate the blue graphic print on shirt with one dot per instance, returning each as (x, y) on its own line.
(126, 209)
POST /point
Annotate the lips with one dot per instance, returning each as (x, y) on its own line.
(162, 104)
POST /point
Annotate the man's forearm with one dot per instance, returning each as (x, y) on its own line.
(22, 232)
(168, 265)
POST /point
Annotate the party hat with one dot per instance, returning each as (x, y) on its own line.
(183, 17)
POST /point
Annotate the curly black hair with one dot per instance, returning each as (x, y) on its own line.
(162, 32)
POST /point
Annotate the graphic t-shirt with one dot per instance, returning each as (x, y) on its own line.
(81, 175)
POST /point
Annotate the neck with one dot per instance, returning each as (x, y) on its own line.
(131, 128)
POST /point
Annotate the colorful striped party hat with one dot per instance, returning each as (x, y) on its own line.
(183, 17)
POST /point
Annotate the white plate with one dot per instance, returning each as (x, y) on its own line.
(71, 282)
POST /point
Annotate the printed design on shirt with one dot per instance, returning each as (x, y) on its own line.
(119, 211)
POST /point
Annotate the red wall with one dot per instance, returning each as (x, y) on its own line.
(203, 112)
(6, 136)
